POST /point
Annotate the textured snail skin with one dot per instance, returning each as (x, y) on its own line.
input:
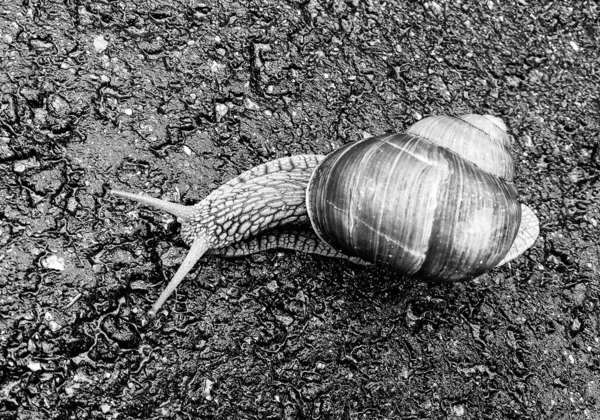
(299, 238)
(400, 201)
(260, 199)
(265, 197)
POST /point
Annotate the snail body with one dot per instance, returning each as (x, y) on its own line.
(436, 202)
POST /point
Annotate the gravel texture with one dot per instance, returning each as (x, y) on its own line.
(173, 98)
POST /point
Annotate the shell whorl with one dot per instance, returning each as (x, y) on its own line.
(481, 139)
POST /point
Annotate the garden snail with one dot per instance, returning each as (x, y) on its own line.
(436, 202)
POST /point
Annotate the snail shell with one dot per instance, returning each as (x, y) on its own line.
(437, 202)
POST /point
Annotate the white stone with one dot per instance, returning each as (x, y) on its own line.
(54, 262)
(221, 109)
(100, 44)
(34, 366)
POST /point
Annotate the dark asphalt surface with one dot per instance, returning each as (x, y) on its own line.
(174, 98)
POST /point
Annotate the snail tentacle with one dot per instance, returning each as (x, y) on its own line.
(262, 198)
(179, 210)
(198, 248)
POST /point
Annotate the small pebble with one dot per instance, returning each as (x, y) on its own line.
(434, 7)
(54, 262)
(574, 46)
(100, 44)
(459, 410)
(208, 385)
(216, 67)
(5, 150)
(272, 286)
(527, 140)
(249, 104)
(72, 204)
(221, 110)
(285, 320)
(34, 366)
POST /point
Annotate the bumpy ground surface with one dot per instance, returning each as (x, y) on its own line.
(173, 98)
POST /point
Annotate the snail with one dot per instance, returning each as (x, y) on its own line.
(437, 202)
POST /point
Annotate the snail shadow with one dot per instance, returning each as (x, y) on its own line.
(303, 288)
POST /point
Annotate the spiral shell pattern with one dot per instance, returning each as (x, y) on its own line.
(436, 202)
